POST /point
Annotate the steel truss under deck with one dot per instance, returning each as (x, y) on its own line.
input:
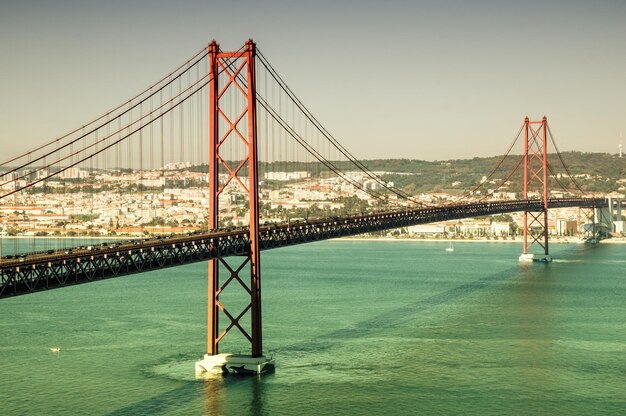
(47, 271)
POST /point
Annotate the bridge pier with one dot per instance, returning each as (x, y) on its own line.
(612, 218)
(618, 224)
(604, 220)
(236, 364)
(526, 257)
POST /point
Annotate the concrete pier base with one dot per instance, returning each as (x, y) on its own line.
(545, 258)
(233, 364)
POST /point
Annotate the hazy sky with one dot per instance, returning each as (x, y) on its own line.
(419, 79)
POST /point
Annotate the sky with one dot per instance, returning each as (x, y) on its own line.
(430, 80)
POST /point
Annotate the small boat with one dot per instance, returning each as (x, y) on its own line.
(55, 349)
(450, 248)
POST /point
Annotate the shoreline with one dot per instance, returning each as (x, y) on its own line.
(569, 240)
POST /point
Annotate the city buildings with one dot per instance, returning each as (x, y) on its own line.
(175, 199)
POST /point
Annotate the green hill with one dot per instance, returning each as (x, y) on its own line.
(593, 172)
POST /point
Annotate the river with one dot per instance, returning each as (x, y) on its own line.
(355, 327)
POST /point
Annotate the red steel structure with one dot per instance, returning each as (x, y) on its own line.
(235, 67)
(536, 175)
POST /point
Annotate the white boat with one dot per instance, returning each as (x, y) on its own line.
(450, 248)
(55, 349)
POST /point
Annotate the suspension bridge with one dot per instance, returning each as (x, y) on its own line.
(205, 165)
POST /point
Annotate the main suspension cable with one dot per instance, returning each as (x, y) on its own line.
(128, 134)
(497, 166)
(558, 153)
(107, 114)
(329, 137)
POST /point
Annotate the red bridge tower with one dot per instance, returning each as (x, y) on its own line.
(536, 175)
(231, 122)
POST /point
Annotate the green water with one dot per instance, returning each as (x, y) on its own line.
(397, 328)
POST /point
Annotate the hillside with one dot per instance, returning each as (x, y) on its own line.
(594, 172)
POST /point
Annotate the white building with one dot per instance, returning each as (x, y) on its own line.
(500, 228)
(286, 176)
(426, 229)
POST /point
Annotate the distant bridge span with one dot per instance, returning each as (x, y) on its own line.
(37, 272)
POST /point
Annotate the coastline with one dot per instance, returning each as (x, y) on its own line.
(565, 240)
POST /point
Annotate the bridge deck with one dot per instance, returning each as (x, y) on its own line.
(39, 272)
